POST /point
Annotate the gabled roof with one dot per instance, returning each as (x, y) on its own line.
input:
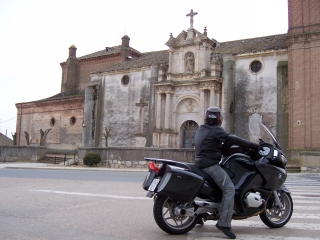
(182, 37)
(63, 95)
(252, 45)
(145, 60)
(174, 41)
(107, 51)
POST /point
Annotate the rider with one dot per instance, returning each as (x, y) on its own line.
(208, 145)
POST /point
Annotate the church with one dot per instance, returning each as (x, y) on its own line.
(120, 97)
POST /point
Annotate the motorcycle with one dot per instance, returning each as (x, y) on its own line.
(184, 195)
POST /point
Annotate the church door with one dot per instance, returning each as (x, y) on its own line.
(189, 129)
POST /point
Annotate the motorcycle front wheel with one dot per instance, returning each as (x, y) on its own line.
(276, 216)
(167, 219)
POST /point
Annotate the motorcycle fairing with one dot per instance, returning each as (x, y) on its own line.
(273, 175)
(242, 172)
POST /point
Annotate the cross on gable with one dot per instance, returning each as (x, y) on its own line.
(191, 15)
(141, 103)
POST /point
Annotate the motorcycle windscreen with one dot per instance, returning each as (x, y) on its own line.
(180, 184)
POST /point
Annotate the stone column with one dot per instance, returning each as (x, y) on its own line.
(91, 113)
(217, 99)
(201, 106)
(204, 55)
(212, 98)
(158, 121)
(227, 91)
(170, 61)
(167, 113)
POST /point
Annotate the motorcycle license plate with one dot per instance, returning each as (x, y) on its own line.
(154, 184)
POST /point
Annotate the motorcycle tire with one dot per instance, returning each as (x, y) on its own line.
(274, 217)
(167, 220)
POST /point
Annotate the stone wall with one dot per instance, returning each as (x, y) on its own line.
(63, 116)
(310, 161)
(22, 153)
(124, 157)
(256, 92)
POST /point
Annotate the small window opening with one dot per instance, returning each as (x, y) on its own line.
(256, 66)
(52, 122)
(73, 120)
(125, 80)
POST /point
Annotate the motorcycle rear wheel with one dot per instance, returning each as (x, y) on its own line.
(167, 220)
(275, 217)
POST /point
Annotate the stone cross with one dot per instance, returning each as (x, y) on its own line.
(191, 14)
(141, 104)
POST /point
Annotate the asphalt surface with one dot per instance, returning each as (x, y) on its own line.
(61, 166)
(51, 208)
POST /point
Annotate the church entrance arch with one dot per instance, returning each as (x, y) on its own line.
(188, 129)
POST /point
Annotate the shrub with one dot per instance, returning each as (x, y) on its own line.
(91, 158)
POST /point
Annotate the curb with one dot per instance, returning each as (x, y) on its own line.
(81, 169)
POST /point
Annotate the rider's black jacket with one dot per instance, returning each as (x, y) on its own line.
(208, 144)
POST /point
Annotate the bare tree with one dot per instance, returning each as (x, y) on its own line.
(26, 134)
(14, 136)
(43, 136)
(106, 134)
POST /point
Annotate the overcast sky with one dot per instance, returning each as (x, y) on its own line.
(35, 35)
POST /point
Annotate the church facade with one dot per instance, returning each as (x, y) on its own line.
(120, 97)
(159, 98)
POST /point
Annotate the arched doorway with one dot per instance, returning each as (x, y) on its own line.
(189, 129)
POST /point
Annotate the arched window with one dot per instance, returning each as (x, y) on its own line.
(189, 129)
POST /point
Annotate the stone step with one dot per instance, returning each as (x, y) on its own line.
(293, 169)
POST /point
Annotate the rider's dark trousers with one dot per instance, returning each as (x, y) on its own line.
(223, 180)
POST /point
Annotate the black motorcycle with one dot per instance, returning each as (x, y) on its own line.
(185, 196)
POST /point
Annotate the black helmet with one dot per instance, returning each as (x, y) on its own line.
(213, 115)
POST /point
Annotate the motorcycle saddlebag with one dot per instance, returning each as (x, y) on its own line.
(180, 184)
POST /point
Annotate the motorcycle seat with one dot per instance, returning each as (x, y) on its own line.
(199, 172)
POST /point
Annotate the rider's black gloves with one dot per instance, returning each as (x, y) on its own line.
(256, 147)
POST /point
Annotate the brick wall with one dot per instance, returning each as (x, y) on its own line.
(304, 16)
(304, 74)
(89, 66)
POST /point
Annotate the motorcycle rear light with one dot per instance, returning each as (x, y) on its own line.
(155, 166)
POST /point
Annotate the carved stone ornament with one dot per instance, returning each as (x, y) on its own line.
(190, 106)
(189, 62)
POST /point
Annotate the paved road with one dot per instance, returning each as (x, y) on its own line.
(35, 204)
